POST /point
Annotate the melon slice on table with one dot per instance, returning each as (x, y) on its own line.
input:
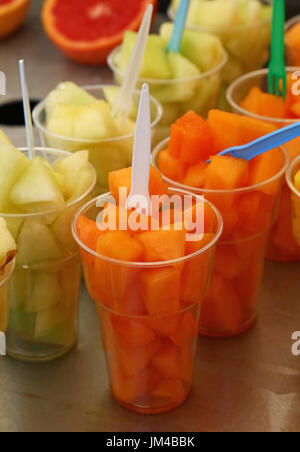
(87, 31)
(12, 14)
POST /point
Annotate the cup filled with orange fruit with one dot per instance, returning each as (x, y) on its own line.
(249, 96)
(148, 284)
(247, 195)
(293, 181)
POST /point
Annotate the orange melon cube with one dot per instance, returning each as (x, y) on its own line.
(264, 104)
(196, 175)
(186, 359)
(121, 246)
(226, 173)
(160, 289)
(171, 390)
(170, 167)
(264, 167)
(133, 361)
(187, 330)
(122, 179)
(165, 326)
(162, 245)
(166, 361)
(228, 264)
(132, 333)
(191, 139)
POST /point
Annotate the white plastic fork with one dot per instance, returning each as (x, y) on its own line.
(139, 197)
(123, 101)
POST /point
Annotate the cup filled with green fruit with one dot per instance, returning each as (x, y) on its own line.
(188, 80)
(74, 118)
(38, 200)
(7, 263)
(244, 27)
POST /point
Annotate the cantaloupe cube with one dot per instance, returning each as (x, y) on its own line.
(196, 175)
(120, 245)
(132, 333)
(264, 104)
(88, 232)
(165, 326)
(171, 390)
(160, 289)
(187, 330)
(265, 167)
(191, 139)
(162, 245)
(170, 166)
(227, 263)
(226, 173)
(122, 179)
(166, 361)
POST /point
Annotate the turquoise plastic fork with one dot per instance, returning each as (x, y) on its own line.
(264, 144)
(179, 24)
(277, 71)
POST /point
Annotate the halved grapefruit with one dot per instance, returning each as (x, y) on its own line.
(87, 30)
(12, 14)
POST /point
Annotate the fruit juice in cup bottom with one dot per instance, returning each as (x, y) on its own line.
(282, 246)
(292, 41)
(197, 83)
(44, 287)
(148, 313)
(77, 116)
(292, 177)
(231, 306)
(245, 33)
(5, 296)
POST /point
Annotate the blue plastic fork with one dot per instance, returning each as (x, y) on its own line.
(174, 44)
(264, 144)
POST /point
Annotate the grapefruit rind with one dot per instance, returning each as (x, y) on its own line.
(86, 52)
(12, 16)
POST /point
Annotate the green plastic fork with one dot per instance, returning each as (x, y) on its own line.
(277, 71)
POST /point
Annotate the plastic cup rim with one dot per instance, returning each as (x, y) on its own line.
(49, 212)
(147, 265)
(242, 111)
(163, 144)
(41, 107)
(166, 81)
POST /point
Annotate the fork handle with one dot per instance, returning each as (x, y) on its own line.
(277, 44)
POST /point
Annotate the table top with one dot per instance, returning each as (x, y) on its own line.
(250, 383)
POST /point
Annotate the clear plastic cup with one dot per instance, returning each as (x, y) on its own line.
(248, 46)
(231, 306)
(282, 245)
(44, 287)
(292, 53)
(4, 295)
(150, 359)
(106, 155)
(295, 194)
(177, 96)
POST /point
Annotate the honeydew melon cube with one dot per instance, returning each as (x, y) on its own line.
(20, 287)
(84, 185)
(155, 64)
(64, 335)
(71, 167)
(171, 112)
(70, 282)
(205, 96)
(202, 49)
(14, 226)
(94, 122)
(182, 68)
(111, 92)
(249, 11)
(12, 165)
(22, 323)
(48, 321)
(61, 228)
(61, 120)
(37, 244)
(7, 245)
(67, 93)
(46, 292)
(215, 15)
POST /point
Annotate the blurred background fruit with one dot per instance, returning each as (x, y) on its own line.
(87, 31)
(12, 15)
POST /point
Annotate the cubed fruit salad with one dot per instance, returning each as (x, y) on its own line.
(250, 97)
(292, 42)
(148, 284)
(246, 193)
(38, 199)
(181, 81)
(73, 119)
(243, 26)
(7, 254)
(293, 179)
